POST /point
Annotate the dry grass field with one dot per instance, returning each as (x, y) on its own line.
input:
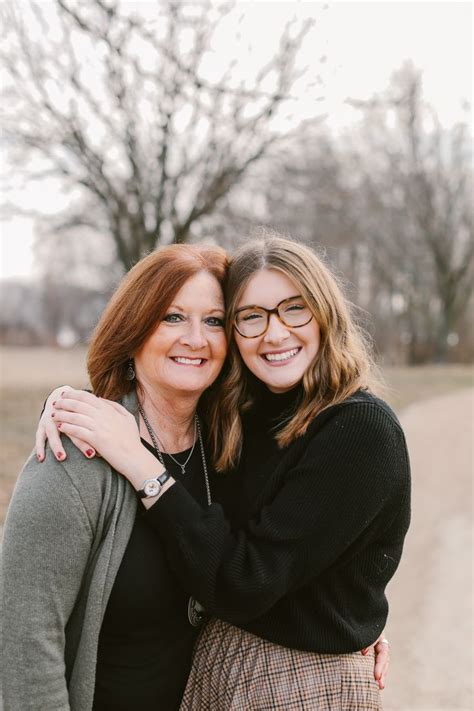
(26, 377)
(28, 374)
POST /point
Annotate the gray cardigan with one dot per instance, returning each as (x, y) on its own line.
(66, 532)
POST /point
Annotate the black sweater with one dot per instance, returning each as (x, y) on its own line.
(312, 533)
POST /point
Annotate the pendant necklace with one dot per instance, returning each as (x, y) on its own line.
(154, 437)
(196, 612)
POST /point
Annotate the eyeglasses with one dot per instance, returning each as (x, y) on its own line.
(253, 321)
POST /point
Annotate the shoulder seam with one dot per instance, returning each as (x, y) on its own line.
(370, 403)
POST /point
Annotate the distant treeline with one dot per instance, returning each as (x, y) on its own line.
(155, 151)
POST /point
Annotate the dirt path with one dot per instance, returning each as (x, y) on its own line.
(430, 623)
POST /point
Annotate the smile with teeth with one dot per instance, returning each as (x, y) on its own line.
(188, 361)
(278, 357)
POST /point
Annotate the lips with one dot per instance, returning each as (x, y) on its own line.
(185, 360)
(279, 357)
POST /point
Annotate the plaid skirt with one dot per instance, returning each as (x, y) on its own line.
(235, 671)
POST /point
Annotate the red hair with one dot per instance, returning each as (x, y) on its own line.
(139, 303)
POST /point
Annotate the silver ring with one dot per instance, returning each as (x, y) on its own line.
(384, 640)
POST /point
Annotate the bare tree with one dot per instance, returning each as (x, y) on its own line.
(131, 115)
(390, 204)
(418, 181)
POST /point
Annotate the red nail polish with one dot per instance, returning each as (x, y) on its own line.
(63, 392)
(39, 457)
(59, 426)
(54, 403)
(90, 452)
(59, 455)
(53, 414)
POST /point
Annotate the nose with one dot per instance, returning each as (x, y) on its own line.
(277, 331)
(194, 335)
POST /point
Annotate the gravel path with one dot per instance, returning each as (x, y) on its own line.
(430, 622)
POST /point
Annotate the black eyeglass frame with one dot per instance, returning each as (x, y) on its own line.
(269, 312)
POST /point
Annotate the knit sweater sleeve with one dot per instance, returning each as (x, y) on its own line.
(353, 468)
(47, 541)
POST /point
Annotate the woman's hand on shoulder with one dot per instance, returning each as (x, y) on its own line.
(101, 425)
(382, 659)
(47, 430)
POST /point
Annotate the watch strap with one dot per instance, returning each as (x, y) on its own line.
(160, 480)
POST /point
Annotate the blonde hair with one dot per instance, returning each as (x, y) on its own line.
(341, 366)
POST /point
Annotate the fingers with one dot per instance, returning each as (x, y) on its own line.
(85, 448)
(67, 404)
(82, 396)
(86, 403)
(77, 432)
(381, 681)
(382, 659)
(57, 393)
(61, 417)
(40, 442)
(48, 431)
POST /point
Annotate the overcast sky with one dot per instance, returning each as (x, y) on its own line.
(364, 42)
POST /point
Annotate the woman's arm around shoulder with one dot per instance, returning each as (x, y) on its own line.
(348, 474)
(47, 432)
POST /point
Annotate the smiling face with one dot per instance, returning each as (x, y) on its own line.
(280, 357)
(186, 351)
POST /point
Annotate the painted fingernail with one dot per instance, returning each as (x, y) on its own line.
(53, 414)
(90, 453)
(63, 393)
(59, 455)
(54, 403)
(39, 457)
(59, 426)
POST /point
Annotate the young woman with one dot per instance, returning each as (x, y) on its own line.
(315, 507)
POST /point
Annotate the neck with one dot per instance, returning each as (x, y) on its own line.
(171, 417)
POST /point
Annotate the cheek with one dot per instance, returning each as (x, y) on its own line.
(219, 348)
(247, 350)
(314, 341)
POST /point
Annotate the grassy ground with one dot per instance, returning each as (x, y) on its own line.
(28, 374)
(407, 385)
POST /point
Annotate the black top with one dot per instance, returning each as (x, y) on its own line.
(310, 535)
(146, 640)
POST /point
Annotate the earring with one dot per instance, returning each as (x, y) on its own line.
(130, 371)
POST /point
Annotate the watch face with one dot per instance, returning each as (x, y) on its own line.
(152, 487)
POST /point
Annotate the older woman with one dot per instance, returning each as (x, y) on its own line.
(315, 512)
(93, 615)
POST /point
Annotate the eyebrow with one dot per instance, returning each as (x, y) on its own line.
(259, 306)
(211, 311)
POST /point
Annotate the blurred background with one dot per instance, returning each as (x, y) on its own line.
(347, 125)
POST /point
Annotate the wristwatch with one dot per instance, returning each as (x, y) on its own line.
(152, 487)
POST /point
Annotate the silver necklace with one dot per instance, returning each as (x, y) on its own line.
(196, 612)
(156, 441)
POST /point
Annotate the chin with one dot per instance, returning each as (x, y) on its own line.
(193, 387)
(281, 385)
(284, 381)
